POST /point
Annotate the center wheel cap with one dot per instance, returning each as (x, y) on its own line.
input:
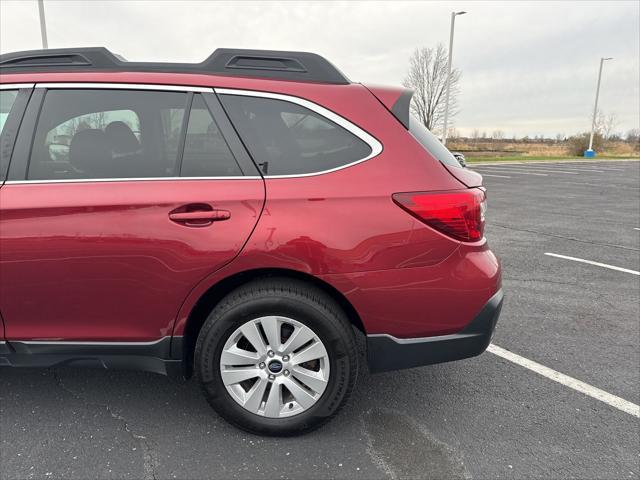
(275, 366)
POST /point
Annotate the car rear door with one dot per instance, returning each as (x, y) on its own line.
(13, 101)
(119, 200)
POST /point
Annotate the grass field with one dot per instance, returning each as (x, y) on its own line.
(503, 150)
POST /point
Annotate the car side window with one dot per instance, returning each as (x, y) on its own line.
(285, 138)
(92, 134)
(206, 153)
(7, 99)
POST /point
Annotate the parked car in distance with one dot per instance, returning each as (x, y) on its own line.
(460, 158)
(237, 221)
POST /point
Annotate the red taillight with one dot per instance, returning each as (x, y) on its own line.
(457, 213)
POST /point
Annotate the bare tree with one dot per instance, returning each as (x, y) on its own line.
(633, 135)
(610, 123)
(427, 77)
(605, 124)
(497, 135)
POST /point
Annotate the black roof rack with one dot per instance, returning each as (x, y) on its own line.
(300, 66)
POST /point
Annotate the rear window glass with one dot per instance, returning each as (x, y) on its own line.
(288, 139)
(431, 143)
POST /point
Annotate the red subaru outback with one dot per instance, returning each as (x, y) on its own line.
(233, 220)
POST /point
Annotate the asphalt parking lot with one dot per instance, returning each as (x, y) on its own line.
(485, 417)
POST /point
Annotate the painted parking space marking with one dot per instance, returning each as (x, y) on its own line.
(618, 164)
(636, 228)
(497, 176)
(600, 185)
(578, 168)
(552, 170)
(504, 170)
(537, 169)
(548, 168)
(590, 262)
(568, 168)
(573, 383)
(598, 169)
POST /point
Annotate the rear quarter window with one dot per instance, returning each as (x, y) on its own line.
(285, 138)
(431, 143)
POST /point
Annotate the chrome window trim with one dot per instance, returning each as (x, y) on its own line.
(125, 86)
(374, 144)
(15, 86)
(145, 179)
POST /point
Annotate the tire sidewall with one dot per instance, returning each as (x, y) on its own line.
(324, 325)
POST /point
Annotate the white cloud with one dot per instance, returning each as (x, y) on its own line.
(528, 67)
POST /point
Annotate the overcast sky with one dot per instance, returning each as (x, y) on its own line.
(528, 68)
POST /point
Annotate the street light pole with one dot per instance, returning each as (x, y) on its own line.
(43, 25)
(448, 86)
(589, 151)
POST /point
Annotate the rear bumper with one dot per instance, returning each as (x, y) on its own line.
(385, 352)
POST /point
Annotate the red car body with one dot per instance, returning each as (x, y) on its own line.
(101, 262)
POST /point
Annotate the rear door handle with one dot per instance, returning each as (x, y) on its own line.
(200, 218)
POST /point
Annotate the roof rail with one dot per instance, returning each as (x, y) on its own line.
(300, 66)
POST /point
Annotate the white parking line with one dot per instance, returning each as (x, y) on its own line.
(504, 170)
(601, 185)
(536, 169)
(553, 170)
(599, 169)
(593, 392)
(597, 264)
(577, 163)
(497, 176)
(636, 228)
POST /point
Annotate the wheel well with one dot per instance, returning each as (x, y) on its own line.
(217, 292)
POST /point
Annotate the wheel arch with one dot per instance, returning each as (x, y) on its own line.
(215, 293)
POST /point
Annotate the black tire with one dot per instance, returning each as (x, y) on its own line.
(289, 298)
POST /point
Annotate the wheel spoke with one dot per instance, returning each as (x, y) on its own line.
(298, 338)
(251, 333)
(235, 356)
(254, 396)
(314, 380)
(252, 377)
(312, 352)
(274, 401)
(237, 375)
(271, 327)
(304, 398)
